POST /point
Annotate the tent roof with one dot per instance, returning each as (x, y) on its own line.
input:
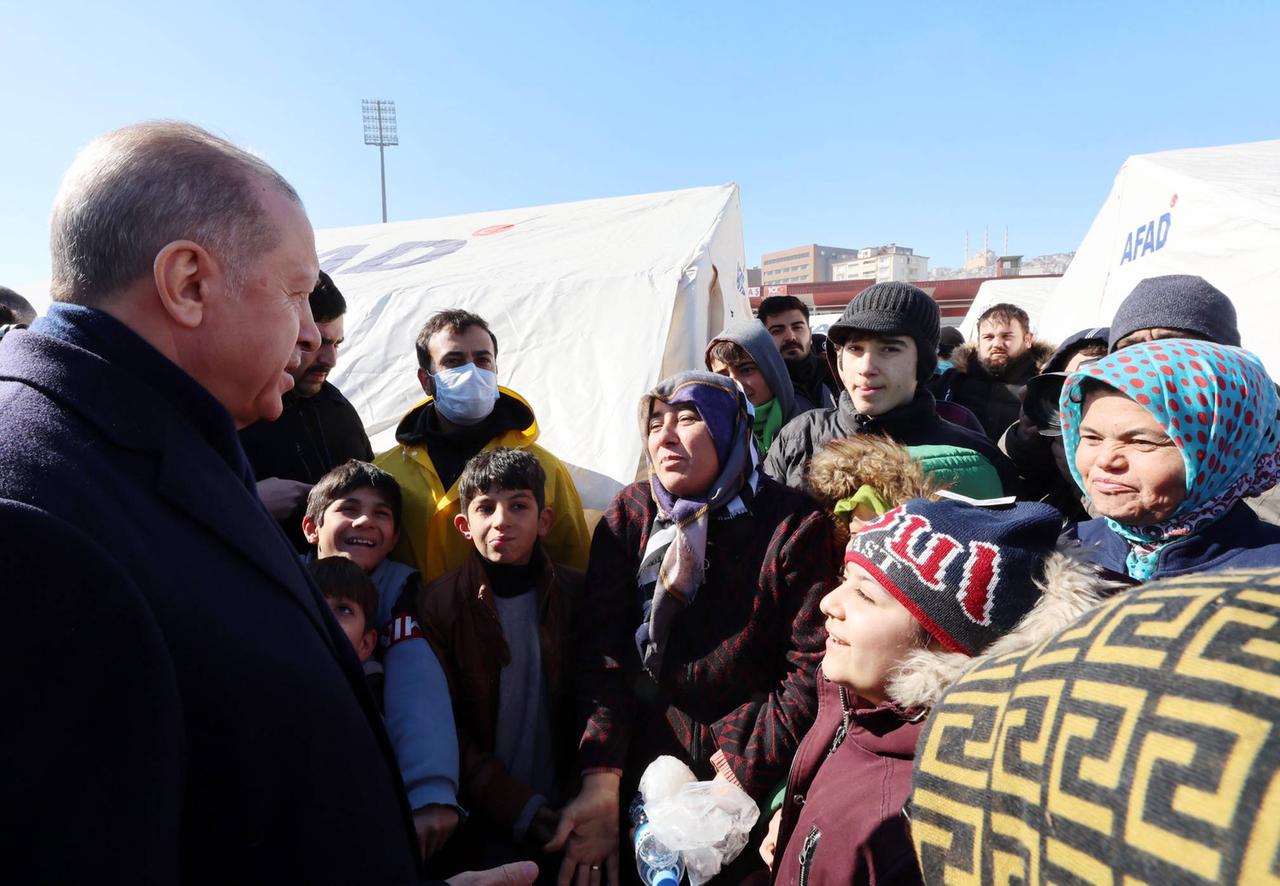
(591, 303)
(1213, 212)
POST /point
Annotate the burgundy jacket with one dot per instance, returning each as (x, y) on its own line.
(739, 667)
(842, 818)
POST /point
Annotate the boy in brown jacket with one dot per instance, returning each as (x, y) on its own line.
(500, 626)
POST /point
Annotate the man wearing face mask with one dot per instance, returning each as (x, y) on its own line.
(466, 411)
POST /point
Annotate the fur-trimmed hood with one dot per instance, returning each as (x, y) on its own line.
(965, 357)
(1070, 587)
(841, 467)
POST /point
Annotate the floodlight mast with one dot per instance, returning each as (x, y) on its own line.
(380, 129)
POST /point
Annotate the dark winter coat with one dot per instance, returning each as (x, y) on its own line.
(180, 704)
(842, 821)
(738, 672)
(1040, 461)
(812, 377)
(996, 401)
(311, 436)
(911, 424)
(1239, 540)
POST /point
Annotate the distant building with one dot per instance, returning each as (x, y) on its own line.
(883, 263)
(802, 264)
(753, 277)
(1008, 266)
(982, 262)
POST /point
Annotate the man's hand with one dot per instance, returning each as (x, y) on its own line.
(282, 497)
(588, 833)
(434, 823)
(769, 845)
(521, 873)
(542, 829)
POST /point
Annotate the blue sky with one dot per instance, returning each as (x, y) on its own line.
(907, 123)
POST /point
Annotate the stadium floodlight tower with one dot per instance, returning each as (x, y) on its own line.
(380, 129)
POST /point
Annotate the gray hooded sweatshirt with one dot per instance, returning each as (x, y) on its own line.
(756, 340)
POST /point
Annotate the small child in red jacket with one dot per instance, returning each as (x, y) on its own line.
(927, 586)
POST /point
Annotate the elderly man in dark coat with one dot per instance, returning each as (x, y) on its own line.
(180, 705)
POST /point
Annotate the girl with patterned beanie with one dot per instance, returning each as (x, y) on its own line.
(929, 588)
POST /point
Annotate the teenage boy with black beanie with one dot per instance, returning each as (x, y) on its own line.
(883, 348)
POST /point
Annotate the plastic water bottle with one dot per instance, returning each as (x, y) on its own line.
(658, 865)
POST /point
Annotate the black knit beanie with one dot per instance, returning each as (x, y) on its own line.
(1177, 301)
(892, 309)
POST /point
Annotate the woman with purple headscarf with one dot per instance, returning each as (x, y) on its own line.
(700, 617)
(1167, 438)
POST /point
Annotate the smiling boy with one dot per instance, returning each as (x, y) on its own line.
(500, 626)
(354, 512)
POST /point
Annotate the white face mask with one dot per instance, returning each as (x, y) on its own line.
(465, 394)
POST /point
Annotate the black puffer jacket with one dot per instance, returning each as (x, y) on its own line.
(996, 401)
(911, 424)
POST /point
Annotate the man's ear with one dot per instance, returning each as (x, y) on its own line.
(424, 379)
(461, 523)
(544, 521)
(186, 276)
(310, 530)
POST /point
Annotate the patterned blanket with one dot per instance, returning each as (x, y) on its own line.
(1139, 745)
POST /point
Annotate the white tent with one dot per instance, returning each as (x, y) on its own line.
(592, 303)
(1214, 212)
(1031, 294)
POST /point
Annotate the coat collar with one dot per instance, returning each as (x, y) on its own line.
(131, 400)
(917, 412)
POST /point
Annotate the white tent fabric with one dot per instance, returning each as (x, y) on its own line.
(1031, 294)
(1214, 212)
(592, 303)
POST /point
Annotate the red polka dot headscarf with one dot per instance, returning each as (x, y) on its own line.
(1215, 402)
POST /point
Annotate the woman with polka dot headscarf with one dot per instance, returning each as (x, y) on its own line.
(1167, 438)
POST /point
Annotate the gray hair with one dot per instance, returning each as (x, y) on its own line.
(137, 189)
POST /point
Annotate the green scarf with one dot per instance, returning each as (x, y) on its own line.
(767, 424)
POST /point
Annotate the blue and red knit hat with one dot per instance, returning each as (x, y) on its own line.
(966, 573)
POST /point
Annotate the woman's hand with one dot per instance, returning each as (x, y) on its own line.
(769, 845)
(588, 833)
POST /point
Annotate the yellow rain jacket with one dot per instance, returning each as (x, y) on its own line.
(428, 538)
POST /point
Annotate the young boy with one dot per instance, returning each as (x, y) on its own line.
(353, 600)
(354, 512)
(500, 626)
(928, 586)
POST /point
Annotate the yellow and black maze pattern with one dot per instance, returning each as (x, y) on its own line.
(1139, 745)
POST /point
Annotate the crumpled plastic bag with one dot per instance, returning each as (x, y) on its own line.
(707, 821)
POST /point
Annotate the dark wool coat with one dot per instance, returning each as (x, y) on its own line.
(180, 704)
(915, 423)
(842, 819)
(996, 401)
(739, 668)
